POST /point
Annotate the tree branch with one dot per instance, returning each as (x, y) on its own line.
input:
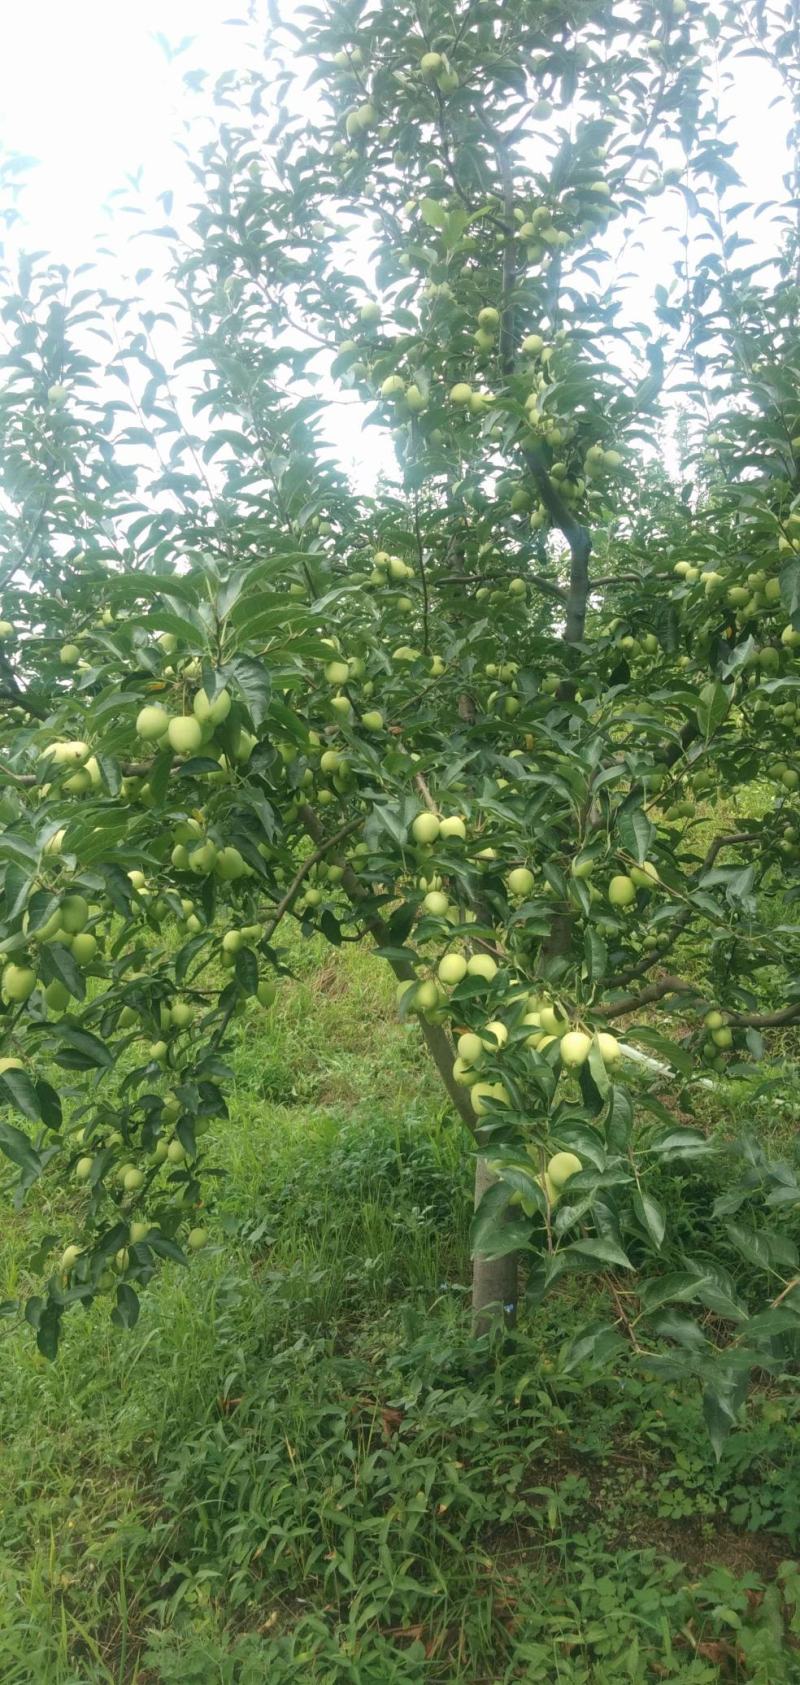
(438, 1043)
(302, 872)
(578, 539)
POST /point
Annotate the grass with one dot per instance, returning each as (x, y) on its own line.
(293, 1468)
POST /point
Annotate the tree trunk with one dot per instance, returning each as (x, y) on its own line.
(494, 1280)
(494, 1283)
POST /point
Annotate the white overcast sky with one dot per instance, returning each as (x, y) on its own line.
(87, 91)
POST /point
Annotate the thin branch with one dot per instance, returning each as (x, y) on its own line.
(536, 579)
(425, 793)
(422, 574)
(578, 539)
(285, 903)
(653, 992)
(679, 923)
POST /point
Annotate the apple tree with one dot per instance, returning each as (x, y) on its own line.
(494, 717)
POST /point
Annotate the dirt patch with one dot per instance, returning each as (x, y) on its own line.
(690, 1541)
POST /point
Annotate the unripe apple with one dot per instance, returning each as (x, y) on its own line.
(69, 655)
(436, 903)
(453, 826)
(644, 877)
(722, 1037)
(18, 982)
(212, 713)
(183, 1014)
(337, 672)
(83, 1169)
(425, 828)
(415, 399)
(470, 1048)
(460, 393)
(392, 387)
(196, 1238)
(185, 734)
(431, 64)
(84, 947)
(553, 1019)
(133, 1180)
(533, 1022)
(520, 881)
(714, 1020)
(372, 721)
(176, 1152)
(621, 891)
(482, 965)
(610, 1050)
(69, 1257)
(427, 997)
(452, 968)
(11, 1065)
(266, 991)
(495, 1035)
(575, 1048)
(465, 1075)
(370, 312)
(152, 722)
(561, 1166)
(229, 864)
(484, 1095)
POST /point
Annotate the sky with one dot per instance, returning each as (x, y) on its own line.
(87, 90)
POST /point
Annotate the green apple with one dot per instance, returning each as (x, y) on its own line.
(152, 722)
(185, 734)
(451, 969)
(561, 1166)
(484, 1095)
(574, 1049)
(436, 903)
(470, 1048)
(18, 982)
(211, 712)
(520, 881)
(610, 1050)
(621, 891)
(482, 965)
(176, 1152)
(425, 828)
(196, 1238)
(495, 1036)
(69, 655)
(453, 827)
(133, 1180)
(84, 947)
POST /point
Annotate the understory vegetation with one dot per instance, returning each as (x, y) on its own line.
(298, 1467)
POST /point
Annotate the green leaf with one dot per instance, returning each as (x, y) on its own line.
(651, 1216)
(600, 1251)
(493, 1232)
(712, 706)
(678, 1286)
(253, 682)
(790, 586)
(17, 1090)
(246, 969)
(57, 965)
(126, 1311)
(679, 1057)
(771, 1252)
(635, 833)
(19, 1149)
(87, 1049)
